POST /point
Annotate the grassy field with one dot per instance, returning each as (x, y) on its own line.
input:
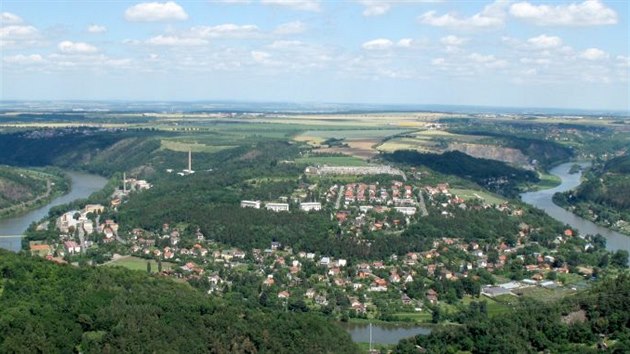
(181, 146)
(467, 194)
(331, 161)
(423, 316)
(547, 295)
(135, 263)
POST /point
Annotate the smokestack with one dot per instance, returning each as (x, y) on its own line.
(125, 182)
(190, 160)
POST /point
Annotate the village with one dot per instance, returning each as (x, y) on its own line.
(417, 282)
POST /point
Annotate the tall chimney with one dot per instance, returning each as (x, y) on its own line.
(189, 160)
(125, 182)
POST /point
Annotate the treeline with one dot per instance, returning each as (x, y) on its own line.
(493, 175)
(50, 308)
(604, 195)
(595, 320)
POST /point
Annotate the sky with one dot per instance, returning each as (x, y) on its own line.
(563, 54)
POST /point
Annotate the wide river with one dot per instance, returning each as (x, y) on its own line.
(543, 200)
(83, 185)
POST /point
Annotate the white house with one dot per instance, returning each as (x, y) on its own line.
(311, 206)
(250, 204)
(277, 206)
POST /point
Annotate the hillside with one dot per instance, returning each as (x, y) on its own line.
(493, 175)
(45, 307)
(587, 323)
(604, 196)
(21, 189)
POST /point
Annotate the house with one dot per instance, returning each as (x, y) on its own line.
(283, 294)
(310, 293)
(269, 281)
(325, 261)
(277, 206)
(41, 250)
(406, 210)
(71, 247)
(432, 296)
(406, 300)
(250, 204)
(311, 206)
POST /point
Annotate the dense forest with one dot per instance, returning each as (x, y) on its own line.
(493, 175)
(595, 320)
(50, 308)
(604, 195)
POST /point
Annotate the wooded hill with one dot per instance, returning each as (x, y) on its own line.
(595, 320)
(50, 308)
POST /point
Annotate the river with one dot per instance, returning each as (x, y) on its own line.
(83, 185)
(383, 333)
(543, 200)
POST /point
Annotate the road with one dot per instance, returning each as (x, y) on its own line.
(422, 204)
(339, 196)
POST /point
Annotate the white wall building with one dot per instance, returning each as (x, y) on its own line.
(311, 206)
(277, 206)
(250, 204)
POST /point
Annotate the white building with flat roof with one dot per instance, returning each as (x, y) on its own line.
(406, 210)
(311, 206)
(250, 204)
(277, 206)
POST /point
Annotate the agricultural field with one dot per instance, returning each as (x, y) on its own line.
(331, 160)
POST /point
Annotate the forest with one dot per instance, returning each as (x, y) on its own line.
(604, 195)
(493, 175)
(51, 308)
(593, 321)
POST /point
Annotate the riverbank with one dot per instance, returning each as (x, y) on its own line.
(82, 186)
(543, 199)
(54, 181)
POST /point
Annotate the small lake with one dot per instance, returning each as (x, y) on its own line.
(543, 200)
(383, 333)
(83, 184)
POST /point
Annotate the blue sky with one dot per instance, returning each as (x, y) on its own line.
(567, 54)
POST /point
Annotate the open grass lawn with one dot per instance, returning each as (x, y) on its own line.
(136, 263)
(545, 294)
(422, 316)
(331, 161)
(467, 194)
(182, 146)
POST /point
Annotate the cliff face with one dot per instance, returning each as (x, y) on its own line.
(493, 152)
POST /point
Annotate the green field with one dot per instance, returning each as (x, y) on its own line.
(136, 263)
(331, 161)
(423, 316)
(353, 134)
(467, 194)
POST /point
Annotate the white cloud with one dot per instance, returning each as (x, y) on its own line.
(96, 29)
(227, 30)
(492, 15)
(24, 59)
(17, 32)
(176, 41)
(587, 13)
(545, 42)
(294, 27)
(69, 47)
(438, 61)
(375, 7)
(378, 44)
(285, 44)
(155, 11)
(593, 54)
(261, 57)
(405, 43)
(301, 5)
(14, 36)
(384, 43)
(452, 40)
(7, 18)
(480, 58)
